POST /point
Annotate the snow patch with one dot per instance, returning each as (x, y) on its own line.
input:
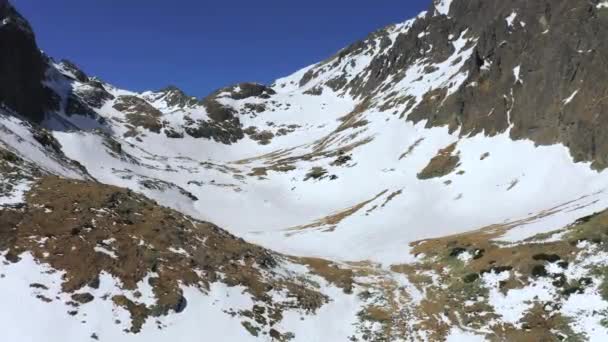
(16, 196)
(16, 135)
(511, 18)
(443, 6)
(106, 251)
(465, 257)
(512, 306)
(458, 335)
(487, 64)
(517, 73)
(570, 98)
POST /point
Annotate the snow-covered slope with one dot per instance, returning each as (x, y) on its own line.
(377, 204)
(407, 174)
(324, 165)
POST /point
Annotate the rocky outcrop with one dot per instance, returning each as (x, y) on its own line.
(536, 69)
(94, 94)
(224, 124)
(245, 90)
(543, 77)
(175, 97)
(73, 70)
(227, 129)
(139, 113)
(22, 68)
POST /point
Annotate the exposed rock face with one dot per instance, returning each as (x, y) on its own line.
(537, 66)
(245, 90)
(139, 113)
(224, 125)
(78, 74)
(551, 91)
(95, 94)
(22, 68)
(442, 164)
(175, 97)
(544, 75)
(226, 131)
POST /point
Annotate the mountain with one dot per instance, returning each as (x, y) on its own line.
(441, 179)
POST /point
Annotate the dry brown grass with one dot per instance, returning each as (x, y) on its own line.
(331, 221)
(342, 277)
(442, 164)
(64, 221)
(411, 149)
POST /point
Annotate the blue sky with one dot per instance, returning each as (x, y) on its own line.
(198, 45)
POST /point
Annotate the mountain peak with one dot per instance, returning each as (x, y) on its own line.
(23, 70)
(73, 70)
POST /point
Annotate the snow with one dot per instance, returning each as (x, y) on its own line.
(517, 73)
(512, 306)
(16, 136)
(465, 257)
(555, 218)
(178, 251)
(205, 315)
(98, 317)
(533, 189)
(425, 209)
(106, 251)
(515, 183)
(487, 64)
(443, 6)
(511, 18)
(65, 71)
(202, 317)
(16, 195)
(584, 309)
(458, 335)
(447, 74)
(570, 98)
(332, 322)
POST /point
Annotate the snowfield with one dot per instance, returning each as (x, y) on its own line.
(497, 181)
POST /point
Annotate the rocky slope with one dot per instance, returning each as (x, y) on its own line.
(441, 179)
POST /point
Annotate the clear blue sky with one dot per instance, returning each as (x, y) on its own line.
(201, 45)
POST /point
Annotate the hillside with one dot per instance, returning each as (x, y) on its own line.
(441, 179)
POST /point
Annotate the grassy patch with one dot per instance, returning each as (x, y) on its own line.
(442, 164)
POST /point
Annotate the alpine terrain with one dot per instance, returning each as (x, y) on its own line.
(443, 179)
